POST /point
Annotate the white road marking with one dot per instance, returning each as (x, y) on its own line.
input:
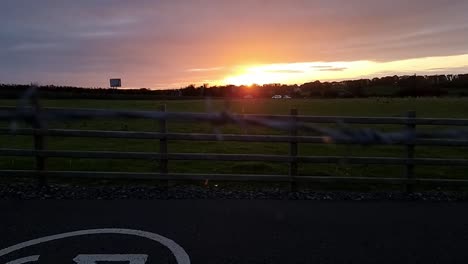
(25, 260)
(93, 259)
(179, 253)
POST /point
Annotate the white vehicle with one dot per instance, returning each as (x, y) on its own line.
(276, 96)
(286, 97)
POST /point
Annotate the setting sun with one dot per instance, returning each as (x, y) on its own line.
(252, 78)
(267, 73)
(293, 72)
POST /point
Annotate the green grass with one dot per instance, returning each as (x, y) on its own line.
(425, 107)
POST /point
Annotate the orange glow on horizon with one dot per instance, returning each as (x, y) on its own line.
(297, 73)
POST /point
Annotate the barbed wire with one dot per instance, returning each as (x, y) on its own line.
(343, 133)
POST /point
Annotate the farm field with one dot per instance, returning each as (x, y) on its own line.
(424, 107)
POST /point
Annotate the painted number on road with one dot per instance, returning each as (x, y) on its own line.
(177, 251)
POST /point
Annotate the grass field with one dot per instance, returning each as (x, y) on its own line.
(424, 107)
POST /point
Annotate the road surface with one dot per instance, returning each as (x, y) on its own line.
(234, 231)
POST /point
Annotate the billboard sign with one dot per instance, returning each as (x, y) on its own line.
(114, 83)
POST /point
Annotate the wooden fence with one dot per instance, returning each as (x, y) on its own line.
(409, 161)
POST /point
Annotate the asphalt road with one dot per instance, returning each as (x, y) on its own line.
(234, 231)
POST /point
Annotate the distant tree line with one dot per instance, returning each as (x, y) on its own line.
(389, 86)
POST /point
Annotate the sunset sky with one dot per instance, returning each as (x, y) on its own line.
(169, 44)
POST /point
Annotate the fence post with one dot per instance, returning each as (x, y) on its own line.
(293, 150)
(39, 142)
(163, 144)
(409, 169)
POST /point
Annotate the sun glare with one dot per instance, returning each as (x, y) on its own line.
(251, 78)
(282, 73)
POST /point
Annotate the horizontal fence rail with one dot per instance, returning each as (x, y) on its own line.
(204, 137)
(232, 157)
(11, 113)
(228, 177)
(291, 124)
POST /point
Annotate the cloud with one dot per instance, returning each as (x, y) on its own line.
(285, 71)
(320, 66)
(205, 69)
(98, 34)
(447, 69)
(33, 46)
(333, 69)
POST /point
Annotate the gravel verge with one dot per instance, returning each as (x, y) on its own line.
(72, 192)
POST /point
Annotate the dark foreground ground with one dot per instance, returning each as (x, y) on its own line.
(236, 231)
